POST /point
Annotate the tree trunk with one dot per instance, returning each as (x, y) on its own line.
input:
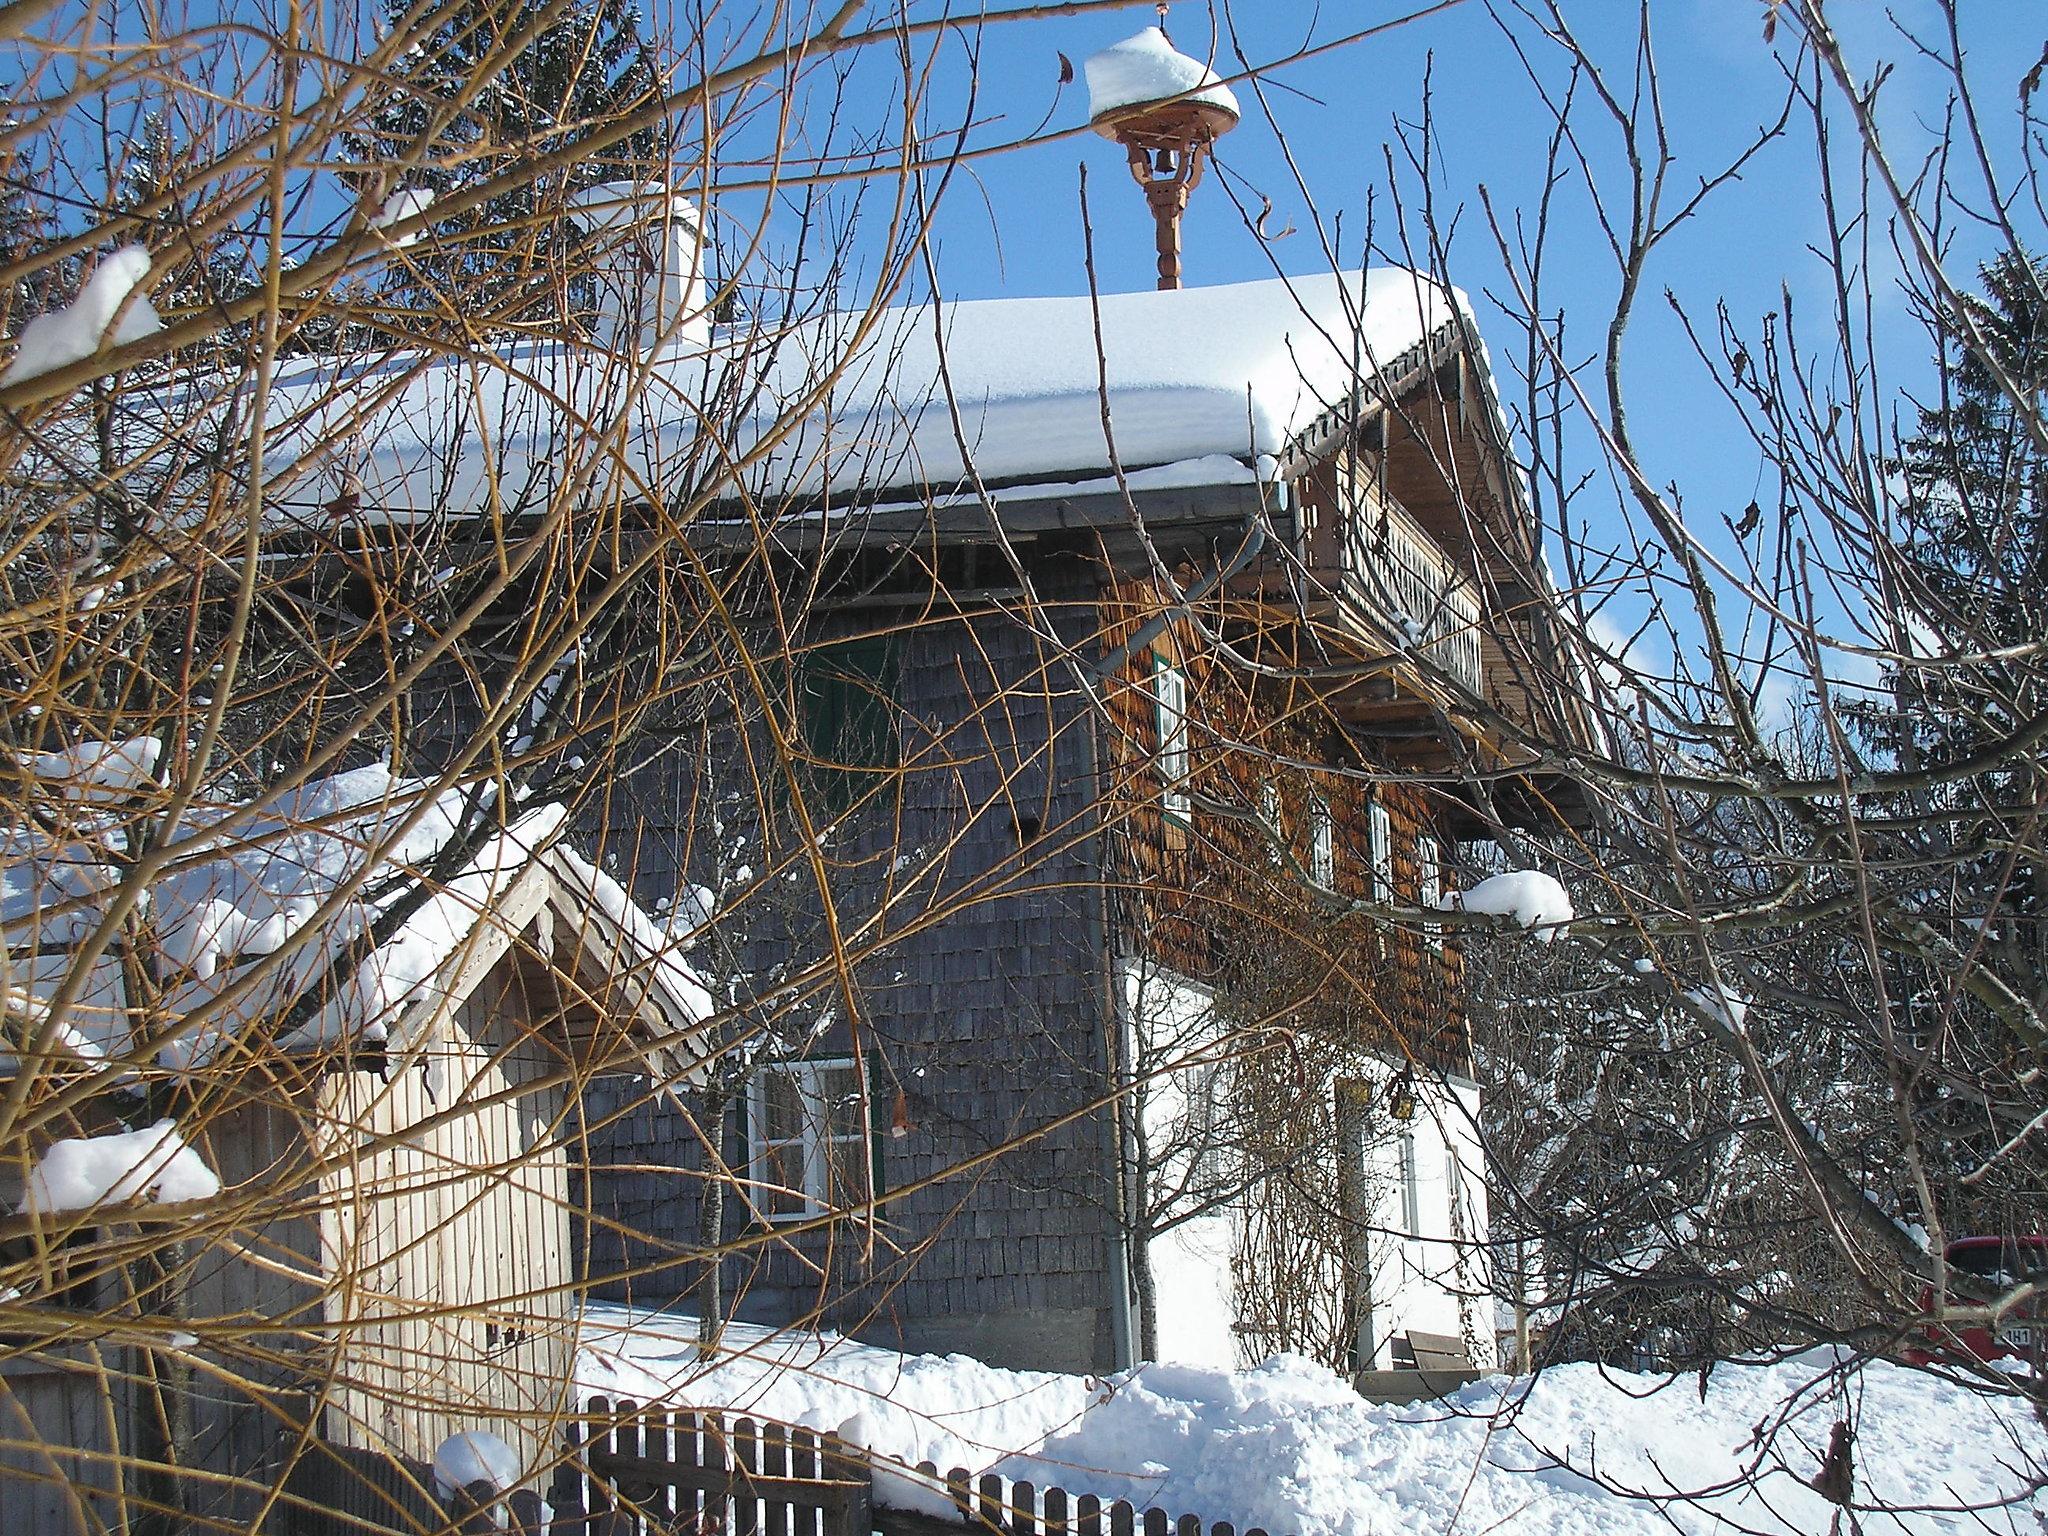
(711, 1224)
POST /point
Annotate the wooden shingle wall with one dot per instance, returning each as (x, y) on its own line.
(966, 891)
(1221, 891)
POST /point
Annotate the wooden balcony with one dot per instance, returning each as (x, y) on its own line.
(1394, 578)
(1369, 584)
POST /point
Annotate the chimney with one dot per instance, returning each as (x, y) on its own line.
(647, 250)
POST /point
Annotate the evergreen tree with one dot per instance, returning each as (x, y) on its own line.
(1967, 853)
(1977, 559)
(26, 227)
(512, 259)
(202, 265)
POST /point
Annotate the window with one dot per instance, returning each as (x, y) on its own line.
(1170, 694)
(846, 701)
(1322, 844)
(1274, 834)
(811, 1144)
(1411, 1187)
(1380, 833)
(1429, 884)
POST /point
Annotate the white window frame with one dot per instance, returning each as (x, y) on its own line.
(1380, 846)
(1411, 1187)
(1322, 843)
(1429, 884)
(814, 1139)
(1170, 708)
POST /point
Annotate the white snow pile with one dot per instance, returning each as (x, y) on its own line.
(474, 1456)
(658, 948)
(1201, 379)
(113, 767)
(405, 203)
(1577, 1451)
(118, 1169)
(242, 895)
(950, 1410)
(65, 336)
(1535, 900)
(1147, 68)
(350, 845)
(1727, 1008)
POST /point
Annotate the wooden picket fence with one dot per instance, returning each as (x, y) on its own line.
(648, 1472)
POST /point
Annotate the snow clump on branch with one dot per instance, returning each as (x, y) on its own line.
(1535, 900)
(405, 203)
(87, 1171)
(68, 335)
(1726, 1008)
(122, 766)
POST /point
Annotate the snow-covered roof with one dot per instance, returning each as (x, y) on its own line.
(1234, 371)
(352, 844)
(1146, 68)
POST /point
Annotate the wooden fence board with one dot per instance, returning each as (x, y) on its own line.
(746, 1447)
(641, 1473)
(776, 1464)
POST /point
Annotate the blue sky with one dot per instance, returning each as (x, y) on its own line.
(1011, 223)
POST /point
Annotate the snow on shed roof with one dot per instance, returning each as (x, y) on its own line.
(1237, 370)
(240, 899)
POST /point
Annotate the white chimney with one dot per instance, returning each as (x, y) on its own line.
(648, 256)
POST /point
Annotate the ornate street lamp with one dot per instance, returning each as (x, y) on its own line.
(1167, 110)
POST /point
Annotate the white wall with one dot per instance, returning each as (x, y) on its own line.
(1170, 1023)
(1420, 1269)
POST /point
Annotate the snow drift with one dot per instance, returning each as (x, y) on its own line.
(1577, 1451)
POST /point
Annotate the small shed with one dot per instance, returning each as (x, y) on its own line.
(394, 1122)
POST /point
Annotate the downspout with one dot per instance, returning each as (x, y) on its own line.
(1116, 1058)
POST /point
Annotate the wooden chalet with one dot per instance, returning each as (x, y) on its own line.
(1164, 643)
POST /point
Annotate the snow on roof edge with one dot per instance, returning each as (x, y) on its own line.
(1240, 369)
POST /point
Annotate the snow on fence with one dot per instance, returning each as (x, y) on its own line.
(646, 1472)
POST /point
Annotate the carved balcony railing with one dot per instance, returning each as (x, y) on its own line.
(1398, 575)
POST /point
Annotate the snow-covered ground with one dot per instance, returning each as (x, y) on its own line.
(1290, 1448)
(950, 1410)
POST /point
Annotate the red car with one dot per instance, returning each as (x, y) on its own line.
(1999, 1263)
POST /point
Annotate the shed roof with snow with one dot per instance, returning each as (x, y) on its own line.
(271, 914)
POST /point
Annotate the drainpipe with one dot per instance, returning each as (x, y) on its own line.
(1115, 1139)
(1354, 1099)
(1114, 1055)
